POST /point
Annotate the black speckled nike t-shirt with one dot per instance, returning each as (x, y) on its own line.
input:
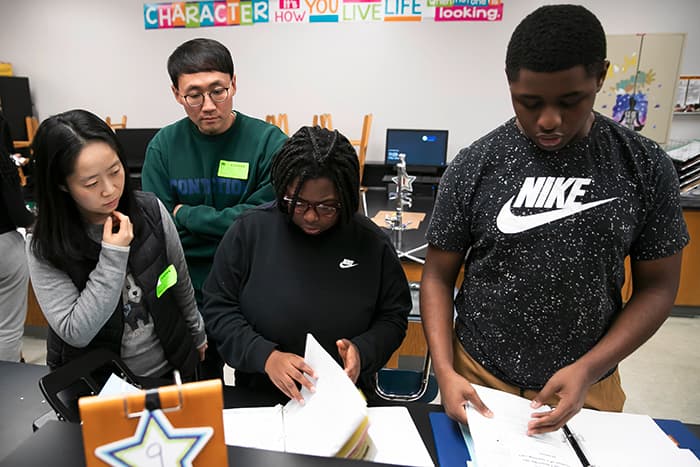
(546, 235)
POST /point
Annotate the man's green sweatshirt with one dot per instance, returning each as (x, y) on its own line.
(214, 177)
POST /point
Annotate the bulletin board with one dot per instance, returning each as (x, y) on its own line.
(641, 85)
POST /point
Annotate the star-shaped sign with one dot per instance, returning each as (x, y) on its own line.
(404, 181)
(156, 443)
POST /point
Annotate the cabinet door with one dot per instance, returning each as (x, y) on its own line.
(688, 290)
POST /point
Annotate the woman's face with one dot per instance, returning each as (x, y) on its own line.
(317, 208)
(97, 182)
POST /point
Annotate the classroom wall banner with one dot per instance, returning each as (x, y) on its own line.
(250, 12)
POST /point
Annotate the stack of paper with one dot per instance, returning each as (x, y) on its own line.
(604, 438)
(331, 415)
(334, 421)
(686, 159)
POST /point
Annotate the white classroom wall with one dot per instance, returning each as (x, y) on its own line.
(96, 54)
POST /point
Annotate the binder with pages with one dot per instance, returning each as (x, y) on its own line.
(601, 438)
(334, 421)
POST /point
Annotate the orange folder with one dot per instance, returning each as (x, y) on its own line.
(172, 425)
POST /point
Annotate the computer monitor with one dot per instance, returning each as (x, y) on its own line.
(134, 142)
(426, 150)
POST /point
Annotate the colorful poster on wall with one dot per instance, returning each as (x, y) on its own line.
(250, 12)
(641, 85)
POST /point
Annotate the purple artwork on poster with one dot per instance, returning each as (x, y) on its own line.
(631, 110)
(631, 100)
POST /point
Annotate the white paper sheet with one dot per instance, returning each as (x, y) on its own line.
(330, 415)
(396, 438)
(607, 439)
(686, 151)
(502, 440)
(256, 427)
(686, 458)
(116, 386)
(622, 439)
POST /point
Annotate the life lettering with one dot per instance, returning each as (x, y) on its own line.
(402, 8)
(322, 7)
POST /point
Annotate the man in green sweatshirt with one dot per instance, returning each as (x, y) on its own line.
(211, 166)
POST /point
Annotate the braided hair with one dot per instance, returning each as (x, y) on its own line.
(314, 152)
(555, 38)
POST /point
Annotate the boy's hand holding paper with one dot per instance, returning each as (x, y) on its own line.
(456, 392)
(603, 439)
(571, 387)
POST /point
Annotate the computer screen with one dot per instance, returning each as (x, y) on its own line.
(424, 149)
(134, 142)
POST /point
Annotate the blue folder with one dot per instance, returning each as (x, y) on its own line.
(681, 434)
(449, 443)
(452, 451)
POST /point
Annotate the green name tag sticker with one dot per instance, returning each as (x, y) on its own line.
(166, 280)
(231, 169)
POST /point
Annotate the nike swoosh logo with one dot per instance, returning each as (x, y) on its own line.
(509, 223)
(347, 264)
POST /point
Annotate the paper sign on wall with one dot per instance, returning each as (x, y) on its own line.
(248, 12)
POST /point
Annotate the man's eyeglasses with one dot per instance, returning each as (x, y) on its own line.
(217, 95)
(321, 209)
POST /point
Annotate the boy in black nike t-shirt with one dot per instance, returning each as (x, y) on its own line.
(545, 209)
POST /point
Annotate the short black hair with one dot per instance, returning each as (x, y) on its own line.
(315, 152)
(197, 55)
(555, 38)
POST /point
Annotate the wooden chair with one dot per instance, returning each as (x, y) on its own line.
(32, 124)
(362, 144)
(280, 120)
(324, 121)
(115, 125)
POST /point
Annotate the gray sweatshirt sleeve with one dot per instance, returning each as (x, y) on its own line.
(182, 290)
(78, 316)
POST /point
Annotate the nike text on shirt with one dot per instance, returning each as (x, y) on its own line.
(545, 192)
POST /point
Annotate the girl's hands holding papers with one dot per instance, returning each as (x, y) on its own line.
(285, 370)
(351, 358)
(455, 392)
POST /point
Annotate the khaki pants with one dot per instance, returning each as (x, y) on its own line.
(606, 394)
